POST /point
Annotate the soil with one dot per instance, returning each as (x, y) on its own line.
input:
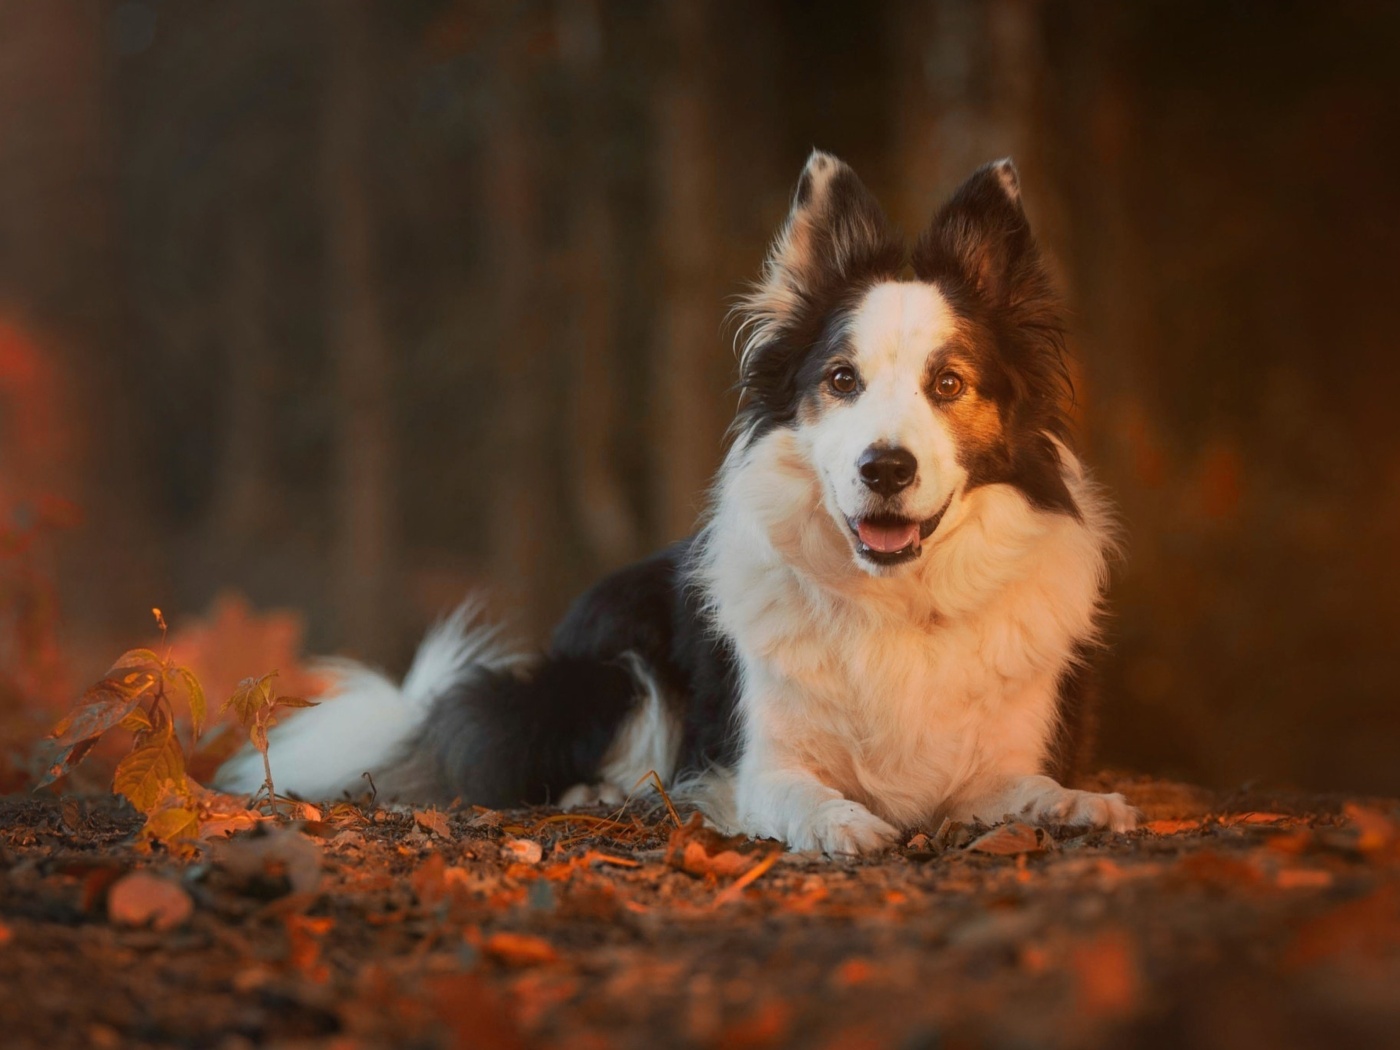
(1228, 921)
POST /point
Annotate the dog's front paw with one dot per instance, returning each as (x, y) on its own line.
(1084, 809)
(841, 826)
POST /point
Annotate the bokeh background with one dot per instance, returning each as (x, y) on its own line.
(346, 308)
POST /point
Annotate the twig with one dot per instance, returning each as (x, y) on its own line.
(748, 878)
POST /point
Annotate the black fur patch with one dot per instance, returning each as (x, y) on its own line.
(508, 739)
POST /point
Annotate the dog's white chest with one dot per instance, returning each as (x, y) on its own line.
(905, 718)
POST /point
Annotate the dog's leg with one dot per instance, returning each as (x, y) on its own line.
(796, 807)
(1043, 800)
(777, 797)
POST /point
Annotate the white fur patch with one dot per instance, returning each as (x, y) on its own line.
(364, 721)
(896, 335)
(647, 741)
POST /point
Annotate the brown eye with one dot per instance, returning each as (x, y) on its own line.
(948, 385)
(843, 380)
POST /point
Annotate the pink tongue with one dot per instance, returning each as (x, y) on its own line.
(888, 538)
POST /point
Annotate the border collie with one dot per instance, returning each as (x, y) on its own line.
(885, 617)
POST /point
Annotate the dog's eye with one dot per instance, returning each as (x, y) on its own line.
(948, 385)
(843, 380)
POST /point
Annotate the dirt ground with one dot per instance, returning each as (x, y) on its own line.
(1243, 921)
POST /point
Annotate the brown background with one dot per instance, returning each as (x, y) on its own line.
(353, 307)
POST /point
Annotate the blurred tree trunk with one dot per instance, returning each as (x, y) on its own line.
(364, 556)
(598, 493)
(686, 437)
(520, 455)
(244, 493)
(970, 71)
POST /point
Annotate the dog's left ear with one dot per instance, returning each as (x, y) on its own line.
(981, 237)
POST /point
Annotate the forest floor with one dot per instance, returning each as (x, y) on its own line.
(1227, 921)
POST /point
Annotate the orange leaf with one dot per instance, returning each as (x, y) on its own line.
(698, 850)
(519, 949)
(149, 771)
(251, 696)
(136, 659)
(143, 899)
(1231, 819)
(432, 820)
(182, 682)
(1171, 827)
(294, 701)
(1013, 838)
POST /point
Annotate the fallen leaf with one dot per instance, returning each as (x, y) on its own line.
(1303, 879)
(519, 949)
(432, 820)
(1012, 838)
(522, 851)
(1377, 830)
(1170, 827)
(143, 899)
(698, 850)
(1230, 820)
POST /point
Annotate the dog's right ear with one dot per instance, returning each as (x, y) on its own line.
(835, 234)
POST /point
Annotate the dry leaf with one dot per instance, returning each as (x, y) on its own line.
(1232, 819)
(1376, 829)
(1303, 879)
(519, 949)
(1012, 838)
(1170, 827)
(698, 850)
(143, 899)
(522, 851)
(434, 821)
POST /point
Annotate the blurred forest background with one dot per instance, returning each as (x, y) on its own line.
(352, 307)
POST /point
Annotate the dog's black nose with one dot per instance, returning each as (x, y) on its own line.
(887, 470)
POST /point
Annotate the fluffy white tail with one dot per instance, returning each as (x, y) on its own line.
(364, 723)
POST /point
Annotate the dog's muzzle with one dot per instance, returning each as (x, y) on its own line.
(889, 539)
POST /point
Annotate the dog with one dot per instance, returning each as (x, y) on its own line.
(887, 615)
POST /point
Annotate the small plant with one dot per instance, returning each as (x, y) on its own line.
(141, 693)
(138, 694)
(256, 709)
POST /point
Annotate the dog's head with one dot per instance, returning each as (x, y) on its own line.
(908, 378)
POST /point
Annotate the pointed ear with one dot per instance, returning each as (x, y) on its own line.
(981, 237)
(835, 233)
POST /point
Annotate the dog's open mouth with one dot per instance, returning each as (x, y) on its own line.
(888, 539)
